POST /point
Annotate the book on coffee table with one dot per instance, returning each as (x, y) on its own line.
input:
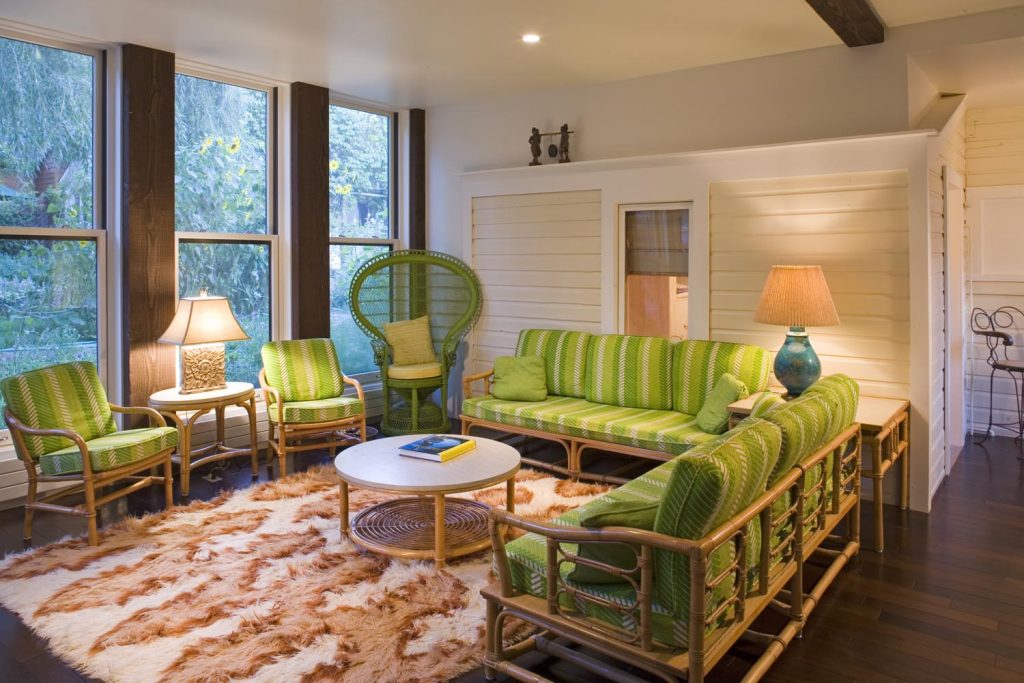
(437, 447)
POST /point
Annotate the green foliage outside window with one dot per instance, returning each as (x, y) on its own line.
(360, 173)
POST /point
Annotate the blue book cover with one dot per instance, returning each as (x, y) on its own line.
(437, 446)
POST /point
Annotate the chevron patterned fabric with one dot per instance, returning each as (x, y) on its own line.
(630, 371)
(698, 364)
(68, 396)
(319, 410)
(565, 358)
(303, 369)
(111, 450)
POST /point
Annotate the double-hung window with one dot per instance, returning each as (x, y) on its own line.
(362, 225)
(52, 241)
(224, 205)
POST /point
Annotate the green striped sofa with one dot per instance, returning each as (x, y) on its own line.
(789, 476)
(633, 395)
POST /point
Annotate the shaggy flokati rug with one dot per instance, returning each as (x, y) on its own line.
(258, 585)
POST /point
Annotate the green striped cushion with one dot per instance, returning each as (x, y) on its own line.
(766, 403)
(630, 371)
(710, 484)
(111, 451)
(318, 410)
(805, 423)
(565, 358)
(660, 430)
(303, 369)
(698, 364)
(844, 394)
(67, 396)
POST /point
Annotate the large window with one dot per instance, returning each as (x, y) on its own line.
(51, 252)
(361, 217)
(223, 205)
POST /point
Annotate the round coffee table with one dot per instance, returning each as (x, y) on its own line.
(428, 525)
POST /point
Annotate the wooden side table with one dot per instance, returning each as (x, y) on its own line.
(170, 402)
(885, 429)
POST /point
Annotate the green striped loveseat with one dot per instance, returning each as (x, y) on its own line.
(722, 533)
(633, 395)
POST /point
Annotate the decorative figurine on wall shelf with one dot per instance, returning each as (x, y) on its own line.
(561, 150)
(535, 147)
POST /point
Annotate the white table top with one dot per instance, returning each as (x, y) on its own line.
(872, 411)
(377, 465)
(170, 397)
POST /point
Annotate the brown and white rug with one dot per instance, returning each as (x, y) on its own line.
(257, 585)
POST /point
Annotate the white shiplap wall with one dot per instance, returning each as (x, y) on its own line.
(995, 159)
(855, 226)
(538, 257)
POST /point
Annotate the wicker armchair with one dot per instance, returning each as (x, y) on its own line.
(404, 285)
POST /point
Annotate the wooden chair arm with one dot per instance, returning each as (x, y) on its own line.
(18, 430)
(140, 410)
(359, 387)
(467, 382)
(271, 396)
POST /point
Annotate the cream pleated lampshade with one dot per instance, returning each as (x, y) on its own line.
(796, 296)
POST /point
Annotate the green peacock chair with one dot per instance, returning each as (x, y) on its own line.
(416, 307)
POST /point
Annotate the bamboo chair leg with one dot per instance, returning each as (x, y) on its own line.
(168, 481)
(29, 512)
(90, 507)
(491, 638)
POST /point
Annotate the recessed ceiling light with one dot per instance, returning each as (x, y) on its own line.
(531, 38)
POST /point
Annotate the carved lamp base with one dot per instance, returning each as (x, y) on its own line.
(202, 368)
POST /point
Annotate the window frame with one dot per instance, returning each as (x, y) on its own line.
(393, 242)
(271, 236)
(98, 232)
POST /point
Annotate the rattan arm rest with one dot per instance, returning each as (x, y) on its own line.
(140, 410)
(19, 429)
(271, 397)
(609, 534)
(467, 382)
(359, 388)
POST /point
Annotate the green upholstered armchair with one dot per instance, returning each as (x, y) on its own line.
(63, 431)
(405, 286)
(302, 385)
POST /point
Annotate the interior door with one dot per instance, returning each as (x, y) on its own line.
(956, 314)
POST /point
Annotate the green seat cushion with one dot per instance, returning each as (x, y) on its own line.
(659, 430)
(713, 416)
(710, 484)
(410, 341)
(319, 410)
(111, 450)
(630, 371)
(519, 378)
(67, 396)
(302, 369)
(565, 358)
(698, 364)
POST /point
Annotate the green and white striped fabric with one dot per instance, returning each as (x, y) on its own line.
(844, 394)
(67, 396)
(630, 371)
(565, 358)
(805, 423)
(766, 403)
(709, 485)
(698, 364)
(659, 430)
(319, 410)
(111, 450)
(303, 369)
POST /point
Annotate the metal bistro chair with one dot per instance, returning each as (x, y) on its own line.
(992, 327)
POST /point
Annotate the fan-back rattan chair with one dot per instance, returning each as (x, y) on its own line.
(405, 285)
(992, 327)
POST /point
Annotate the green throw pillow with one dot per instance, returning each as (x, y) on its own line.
(631, 513)
(713, 417)
(410, 341)
(519, 378)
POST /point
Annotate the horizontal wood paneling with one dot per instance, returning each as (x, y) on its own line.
(855, 227)
(538, 257)
(994, 148)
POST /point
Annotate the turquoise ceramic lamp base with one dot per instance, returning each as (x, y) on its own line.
(796, 365)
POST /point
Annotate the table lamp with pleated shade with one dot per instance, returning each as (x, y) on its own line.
(200, 327)
(798, 297)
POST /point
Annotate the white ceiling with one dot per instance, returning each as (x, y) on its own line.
(429, 52)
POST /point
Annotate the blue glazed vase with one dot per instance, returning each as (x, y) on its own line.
(796, 364)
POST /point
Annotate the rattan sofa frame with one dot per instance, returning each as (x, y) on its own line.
(780, 588)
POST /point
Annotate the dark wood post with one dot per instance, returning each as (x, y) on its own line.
(417, 180)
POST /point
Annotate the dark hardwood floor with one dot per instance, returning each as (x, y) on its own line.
(945, 602)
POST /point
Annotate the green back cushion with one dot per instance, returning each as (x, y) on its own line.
(713, 416)
(806, 423)
(67, 396)
(303, 369)
(766, 403)
(565, 358)
(628, 512)
(628, 371)
(698, 365)
(711, 483)
(519, 378)
(844, 393)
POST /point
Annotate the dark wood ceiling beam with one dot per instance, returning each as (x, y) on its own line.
(854, 21)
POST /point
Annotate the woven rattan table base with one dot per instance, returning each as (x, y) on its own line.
(405, 527)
